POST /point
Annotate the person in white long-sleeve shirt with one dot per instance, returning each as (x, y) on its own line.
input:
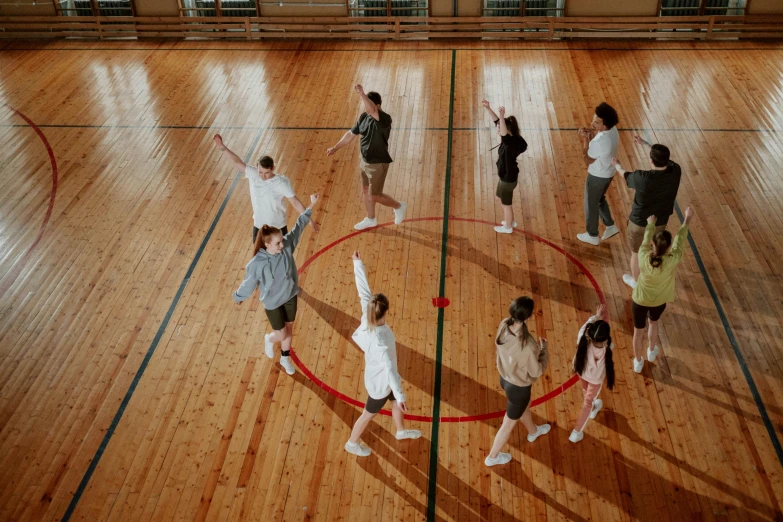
(381, 377)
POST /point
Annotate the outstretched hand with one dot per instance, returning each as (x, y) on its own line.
(218, 139)
(652, 219)
(356, 256)
(543, 343)
(331, 150)
(615, 162)
(689, 213)
(316, 226)
(485, 104)
(314, 198)
(403, 406)
(639, 140)
(502, 111)
(601, 312)
(359, 89)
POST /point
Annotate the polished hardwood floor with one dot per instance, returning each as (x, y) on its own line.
(133, 388)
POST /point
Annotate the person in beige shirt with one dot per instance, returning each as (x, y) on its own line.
(520, 361)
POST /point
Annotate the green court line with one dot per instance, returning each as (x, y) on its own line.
(433, 474)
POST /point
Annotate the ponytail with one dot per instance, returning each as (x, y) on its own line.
(661, 243)
(512, 125)
(263, 236)
(376, 310)
(595, 332)
(520, 311)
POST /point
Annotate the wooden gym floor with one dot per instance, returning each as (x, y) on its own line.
(132, 387)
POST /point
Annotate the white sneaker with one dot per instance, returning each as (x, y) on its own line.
(366, 223)
(638, 365)
(269, 346)
(597, 405)
(584, 237)
(407, 434)
(540, 430)
(629, 280)
(513, 225)
(503, 230)
(610, 231)
(286, 363)
(357, 448)
(576, 436)
(652, 354)
(502, 458)
(399, 213)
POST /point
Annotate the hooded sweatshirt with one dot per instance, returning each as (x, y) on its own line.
(275, 274)
(595, 363)
(381, 376)
(520, 360)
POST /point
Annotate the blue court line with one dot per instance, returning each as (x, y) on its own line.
(151, 350)
(773, 436)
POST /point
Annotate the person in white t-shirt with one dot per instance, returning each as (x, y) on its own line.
(381, 377)
(599, 143)
(267, 191)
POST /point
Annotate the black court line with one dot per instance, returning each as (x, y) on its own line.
(274, 128)
(773, 436)
(153, 346)
(297, 50)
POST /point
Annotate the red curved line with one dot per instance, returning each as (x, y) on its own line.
(484, 416)
(17, 269)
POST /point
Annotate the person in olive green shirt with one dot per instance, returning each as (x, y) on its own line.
(655, 287)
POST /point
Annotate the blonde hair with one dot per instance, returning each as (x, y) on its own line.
(376, 309)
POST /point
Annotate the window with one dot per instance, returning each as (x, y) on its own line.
(227, 8)
(702, 7)
(389, 8)
(103, 8)
(524, 7)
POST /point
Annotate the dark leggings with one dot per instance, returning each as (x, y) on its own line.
(518, 399)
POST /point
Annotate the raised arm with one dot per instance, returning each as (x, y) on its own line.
(362, 286)
(229, 154)
(292, 238)
(347, 138)
(502, 121)
(492, 114)
(640, 141)
(678, 245)
(369, 107)
(300, 208)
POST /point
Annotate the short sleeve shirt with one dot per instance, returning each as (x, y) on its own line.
(603, 147)
(510, 148)
(375, 137)
(267, 197)
(656, 191)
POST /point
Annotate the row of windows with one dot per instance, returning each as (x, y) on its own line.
(395, 7)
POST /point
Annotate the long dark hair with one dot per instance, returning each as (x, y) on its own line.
(595, 332)
(661, 243)
(512, 126)
(263, 237)
(520, 311)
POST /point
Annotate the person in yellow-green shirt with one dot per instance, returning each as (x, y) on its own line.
(655, 287)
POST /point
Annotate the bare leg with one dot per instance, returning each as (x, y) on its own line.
(503, 435)
(652, 334)
(527, 421)
(369, 202)
(638, 341)
(398, 416)
(278, 336)
(635, 266)
(285, 344)
(361, 424)
(386, 200)
(508, 215)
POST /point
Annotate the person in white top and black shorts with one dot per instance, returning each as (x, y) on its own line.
(599, 143)
(267, 192)
(381, 377)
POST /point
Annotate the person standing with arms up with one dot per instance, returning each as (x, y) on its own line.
(381, 377)
(520, 361)
(511, 146)
(273, 270)
(599, 146)
(267, 191)
(655, 287)
(374, 126)
(656, 191)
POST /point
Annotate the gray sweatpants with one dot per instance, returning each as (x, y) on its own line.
(595, 203)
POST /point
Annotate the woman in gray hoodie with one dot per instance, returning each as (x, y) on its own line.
(273, 270)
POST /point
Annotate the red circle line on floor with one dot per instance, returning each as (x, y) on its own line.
(12, 274)
(467, 418)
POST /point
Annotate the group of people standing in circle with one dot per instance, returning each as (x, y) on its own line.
(520, 358)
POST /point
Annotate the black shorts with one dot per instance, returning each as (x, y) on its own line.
(505, 191)
(282, 314)
(518, 399)
(375, 405)
(640, 314)
(284, 230)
